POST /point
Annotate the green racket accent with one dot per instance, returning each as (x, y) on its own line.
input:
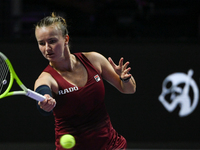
(12, 77)
(6, 66)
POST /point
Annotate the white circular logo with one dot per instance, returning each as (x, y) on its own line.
(180, 89)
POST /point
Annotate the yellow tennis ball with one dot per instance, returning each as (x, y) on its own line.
(67, 141)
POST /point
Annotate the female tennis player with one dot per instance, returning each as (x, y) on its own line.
(73, 86)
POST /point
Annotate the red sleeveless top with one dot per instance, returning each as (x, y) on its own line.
(81, 112)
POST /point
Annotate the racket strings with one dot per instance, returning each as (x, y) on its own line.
(3, 73)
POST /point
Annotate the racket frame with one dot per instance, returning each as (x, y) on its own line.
(26, 91)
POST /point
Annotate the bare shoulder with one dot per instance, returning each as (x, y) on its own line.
(46, 79)
(96, 59)
(44, 76)
(42, 79)
(93, 55)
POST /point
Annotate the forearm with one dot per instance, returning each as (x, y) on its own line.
(128, 86)
(43, 89)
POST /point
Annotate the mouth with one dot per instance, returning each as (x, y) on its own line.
(49, 55)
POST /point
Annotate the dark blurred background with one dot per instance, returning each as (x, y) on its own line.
(158, 37)
(100, 18)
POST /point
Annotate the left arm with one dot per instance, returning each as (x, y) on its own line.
(112, 72)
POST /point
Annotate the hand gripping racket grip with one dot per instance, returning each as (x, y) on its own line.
(35, 95)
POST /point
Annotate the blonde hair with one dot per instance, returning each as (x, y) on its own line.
(54, 19)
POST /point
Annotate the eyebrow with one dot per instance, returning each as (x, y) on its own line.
(52, 38)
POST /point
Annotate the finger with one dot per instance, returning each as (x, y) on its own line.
(42, 103)
(48, 99)
(52, 102)
(121, 62)
(126, 71)
(49, 108)
(111, 62)
(39, 104)
(47, 96)
(126, 65)
(49, 105)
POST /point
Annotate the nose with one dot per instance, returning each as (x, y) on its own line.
(47, 46)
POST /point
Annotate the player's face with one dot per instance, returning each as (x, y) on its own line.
(51, 42)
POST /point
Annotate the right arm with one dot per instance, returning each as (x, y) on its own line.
(44, 85)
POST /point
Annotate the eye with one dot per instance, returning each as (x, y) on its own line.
(52, 41)
(41, 43)
(169, 85)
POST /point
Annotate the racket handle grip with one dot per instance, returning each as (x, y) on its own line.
(34, 95)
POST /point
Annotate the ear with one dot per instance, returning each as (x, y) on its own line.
(66, 39)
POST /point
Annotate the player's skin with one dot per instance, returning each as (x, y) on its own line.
(55, 48)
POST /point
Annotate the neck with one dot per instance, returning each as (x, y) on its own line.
(66, 64)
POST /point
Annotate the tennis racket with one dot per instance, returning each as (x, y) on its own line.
(7, 77)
